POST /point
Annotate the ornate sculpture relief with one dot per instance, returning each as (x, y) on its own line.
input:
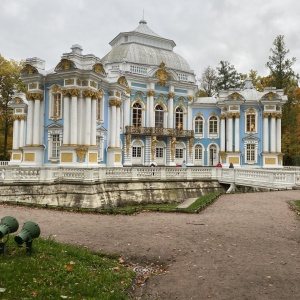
(153, 146)
(81, 153)
(173, 144)
(191, 143)
(128, 140)
(150, 93)
(162, 75)
(171, 95)
(98, 68)
(190, 98)
(34, 96)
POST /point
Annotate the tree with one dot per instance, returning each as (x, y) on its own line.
(10, 82)
(208, 82)
(228, 77)
(280, 67)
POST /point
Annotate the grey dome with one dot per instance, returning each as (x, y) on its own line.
(146, 55)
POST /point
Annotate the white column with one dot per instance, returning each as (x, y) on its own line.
(80, 114)
(223, 134)
(73, 121)
(273, 133)
(278, 138)
(36, 122)
(151, 110)
(21, 137)
(93, 122)
(113, 113)
(126, 113)
(66, 136)
(16, 134)
(87, 131)
(170, 113)
(29, 128)
(237, 134)
(229, 134)
(118, 122)
(266, 133)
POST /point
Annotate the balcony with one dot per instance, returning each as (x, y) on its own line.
(155, 131)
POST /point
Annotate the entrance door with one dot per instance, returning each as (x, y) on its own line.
(213, 157)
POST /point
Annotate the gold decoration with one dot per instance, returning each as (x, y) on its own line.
(85, 83)
(128, 91)
(266, 115)
(70, 92)
(160, 102)
(98, 68)
(199, 114)
(29, 156)
(18, 100)
(234, 160)
(173, 143)
(190, 98)
(117, 157)
(233, 107)
(162, 75)
(34, 96)
(93, 84)
(65, 64)
(270, 107)
(67, 157)
(223, 156)
(213, 114)
(122, 81)
(115, 102)
(191, 143)
(237, 115)
(93, 157)
(171, 95)
(118, 94)
(81, 153)
(280, 156)
(270, 161)
(153, 146)
(273, 115)
(32, 86)
(270, 96)
(56, 88)
(278, 116)
(16, 156)
(222, 116)
(150, 93)
(128, 141)
(69, 81)
(110, 93)
(29, 70)
(235, 96)
(78, 82)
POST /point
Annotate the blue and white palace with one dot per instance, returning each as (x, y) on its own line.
(138, 105)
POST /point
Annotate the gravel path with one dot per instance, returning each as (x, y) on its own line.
(244, 246)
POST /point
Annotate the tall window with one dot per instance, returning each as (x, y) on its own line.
(199, 125)
(137, 115)
(179, 118)
(250, 153)
(159, 116)
(213, 125)
(55, 144)
(136, 151)
(198, 152)
(56, 105)
(251, 121)
(178, 153)
(159, 152)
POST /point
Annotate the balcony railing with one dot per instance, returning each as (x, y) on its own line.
(170, 132)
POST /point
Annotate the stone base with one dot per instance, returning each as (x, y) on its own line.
(114, 157)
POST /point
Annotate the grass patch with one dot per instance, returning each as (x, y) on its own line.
(61, 271)
(297, 205)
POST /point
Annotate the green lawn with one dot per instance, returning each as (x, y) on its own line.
(60, 271)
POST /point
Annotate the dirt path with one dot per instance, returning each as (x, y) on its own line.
(244, 246)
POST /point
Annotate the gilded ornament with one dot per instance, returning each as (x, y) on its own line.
(223, 156)
(237, 115)
(266, 115)
(128, 91)
(191, 143)
(65, 64)
(78, 82)
(235, 96)
(171, 95)
(270, 107)
(93, 84)
(56, 88)
(81, 153)
(173, 145)
(190, 98)
(18, 100)
(34, 96)
(273, 115)
(230, 115)
(29, 70)
(213, 114)
(128, 140)
(74, 92)
(150, 93)
(85, 83)
(162, 75)
(69, 81)
(278, 116)
(233, 107)
(98, 68)
(110, 93)
(32, 86)
(118, 94)
(199, 114)
(122, 81)
(153, 146)
(222, 116)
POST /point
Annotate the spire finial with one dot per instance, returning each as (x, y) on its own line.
(143, 19)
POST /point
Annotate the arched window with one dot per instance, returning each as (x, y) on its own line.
(213, 125)
(137, 114)
(159, 116)
(179, 118)
(198, 152)
(198, 125)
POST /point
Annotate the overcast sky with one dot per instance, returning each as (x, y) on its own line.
(205, 31)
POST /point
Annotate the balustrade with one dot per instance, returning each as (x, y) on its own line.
(168, 132)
